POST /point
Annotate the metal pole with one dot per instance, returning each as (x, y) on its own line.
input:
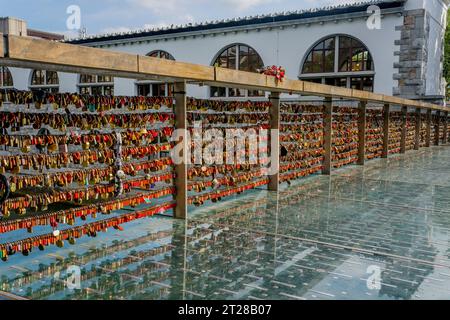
(327, 135)
(362, 120)
(428, 138)
(386, 123)
(418, 127)
(181, 168)
(404, 129)
(445, 138)
(437, 129)
(274, 178)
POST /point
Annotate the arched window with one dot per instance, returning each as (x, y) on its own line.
(96, 85)
(239, 57)
(340, 61)
(6, 80)
(161, 54)
(154, 88)
(45, 80)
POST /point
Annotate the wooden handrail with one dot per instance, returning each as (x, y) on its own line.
(34, 53)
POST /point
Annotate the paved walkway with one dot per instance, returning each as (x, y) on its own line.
(377, 232)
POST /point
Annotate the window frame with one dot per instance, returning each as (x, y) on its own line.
(6, 71)
(236, 93)
(46, 86)
(90, 83)
(149, 85)
(337, 74)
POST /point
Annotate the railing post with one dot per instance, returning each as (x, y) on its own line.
(437, 128)
(428, 138)
(181, 169)
(274, 178)
(362, 120)
(418, 127)
(327, 135)
(386, 124)
(445, 138)
(404, 129)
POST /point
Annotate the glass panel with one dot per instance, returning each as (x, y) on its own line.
(329, 61)
(52, 77)
(103, 79)
(161, 54)
(353, 56)
(368, 84)
(143, 90)
(362, 83)
(249, 60)
(256, 93)
(87, 78)
(158, 90)
(97, 91)
(85, 90)
(218, 92)
(38, 78)
(329, 44)
(108, 90)
(6, 79)
(321, 58)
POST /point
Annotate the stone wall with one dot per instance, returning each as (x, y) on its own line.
(413, 55)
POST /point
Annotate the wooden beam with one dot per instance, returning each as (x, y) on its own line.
(274, 178)
(418, 127)
(404, 129)
(362, 121)
(328, 135)
(437, 128)
(445, 138)
(181, 180)
(428, 136)
(29, 52)
(2, 48)
(386, 124)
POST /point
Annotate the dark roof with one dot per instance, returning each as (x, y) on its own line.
(45, 35)
(266, 19)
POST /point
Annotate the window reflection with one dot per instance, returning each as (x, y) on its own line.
(238, 57)
(352, 56)
(6, 79)
(45, 80)
(96, 85)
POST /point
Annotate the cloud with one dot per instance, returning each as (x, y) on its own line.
(239, 5)
(157, 6)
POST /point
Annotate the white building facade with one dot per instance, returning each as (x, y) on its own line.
(401, 53)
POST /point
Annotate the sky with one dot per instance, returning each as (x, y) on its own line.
(108, 16)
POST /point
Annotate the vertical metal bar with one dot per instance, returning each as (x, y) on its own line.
(445, 138)
(428, 138)
(274, 178)
(437, 128)
(328, 135)
(386, 124)
(362, 120)
(418, 127)
(404, 129)
(181, 169)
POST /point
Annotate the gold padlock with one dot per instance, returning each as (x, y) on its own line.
(86, 145)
